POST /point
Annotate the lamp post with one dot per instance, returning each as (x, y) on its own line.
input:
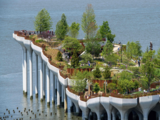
(105, 83)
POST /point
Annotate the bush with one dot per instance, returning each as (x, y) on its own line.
(59, 56)
(86, 57)
(96, 87)
(38, 41)
(143, 60)
(97, 73)
(122, 66)
(107, 73)
(74, 60)
(131, 64)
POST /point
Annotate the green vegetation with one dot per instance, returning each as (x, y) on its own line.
(125, 77)
(93, 48)
(89, 25)
(79, 82)
(86, 57)
(43, 21)
(61, 28)
(59, 56)
(97, 73)
(74, 60)
(38, 41)
(73, 29)
(96, 87)
(72, 44)
(133, 49)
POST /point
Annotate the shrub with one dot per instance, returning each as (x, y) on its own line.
(38, 41)
(59, 56)
(86, 57)
(97, 73)
(131, 64)
(122, 66)
(45, 48)
(74, 60)
(107, 73)
(96, 87)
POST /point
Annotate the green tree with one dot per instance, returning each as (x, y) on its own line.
(125, 75)
(72, 44)
(108, 48)
(106, 75)
(93, 48)
(108, 54)
(111, 86)
(89, 25)
(133, 49)
(61, 28)
(43, 21)
(86, 57)
(104, 29)
(136, 84)
(59, 56)
(158, 54)
(79, 81)
(73, 29)
(97, 73)
(125, 85)
(148, 55)
(149, 70)
(74, 60)
(111, 37)
(96, 87)
(138, 51)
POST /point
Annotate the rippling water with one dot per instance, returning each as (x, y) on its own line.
(129, 20)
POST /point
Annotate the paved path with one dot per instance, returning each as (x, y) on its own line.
(115, 48)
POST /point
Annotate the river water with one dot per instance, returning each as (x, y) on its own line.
(137, 20)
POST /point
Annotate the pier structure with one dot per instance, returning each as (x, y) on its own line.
(100, 107)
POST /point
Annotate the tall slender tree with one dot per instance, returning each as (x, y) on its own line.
(61, 28)
(89, 25)
(43, 21)
(73, 29)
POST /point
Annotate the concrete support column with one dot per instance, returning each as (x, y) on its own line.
(36, 83)
(41, 79)
(62, 94)
(114, 114)
(44, 78)
(58, 93)
(53, 99)
(145, 115)
(30, 74)
(65, 99)
(48, 85)
(23, 68)
(25, 71)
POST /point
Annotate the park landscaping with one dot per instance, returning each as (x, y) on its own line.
(95, 69)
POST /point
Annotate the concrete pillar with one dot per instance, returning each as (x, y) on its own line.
(147, 103)
(30, 74)
(62, 94)
(53, 99)
(114, 114)
(23, 68)
(36, 83)
(55, 83)
(48, 85)
(65, 99)
(44, 79)
(25, 71)
(58, 93)
(41, 79)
